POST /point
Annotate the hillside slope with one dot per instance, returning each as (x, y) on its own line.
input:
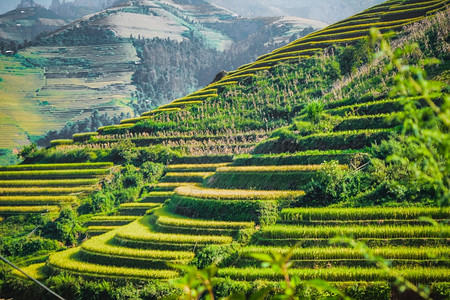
(127, 59)
(260, 106)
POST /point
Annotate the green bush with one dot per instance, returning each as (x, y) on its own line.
(66, 285)
(65, 228)
(24, 246)
(101, 201)
(332, 185)
(314, 111)
(352, 57)
(151, 171)
(128, 195)
(219, 255)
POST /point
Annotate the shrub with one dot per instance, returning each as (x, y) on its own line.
(26, 246)
(151, 171)
(314, 111)
(65, 228)
(101, 201)
(332, 185)
(215, 255)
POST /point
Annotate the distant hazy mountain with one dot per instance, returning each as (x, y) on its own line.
(322, 10)
(27, 21)
(78, 8)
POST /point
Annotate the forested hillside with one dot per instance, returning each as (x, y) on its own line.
(321, 169)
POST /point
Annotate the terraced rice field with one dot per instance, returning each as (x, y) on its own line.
(47, 187)
(386, 17)
(141, 249)
(35, 100)
(208, 206)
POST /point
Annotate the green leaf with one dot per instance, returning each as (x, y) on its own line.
(322, 285)
(261, 294)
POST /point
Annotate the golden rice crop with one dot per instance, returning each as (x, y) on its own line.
(102, 228)
(37, 271)
(160, 110)
(105, 244)
(289, 54)
(325, 232)
(360, 26)
(196, 98)
(53, 174)
(188, 174)
(48, 182)
(61, 142)
(159, 194)
(218, 84)
(122, 126)
(196, 167)
(274, 169)
(68, 261)
(417, 274)
(222, 194)
(141, 231)
(36, 200)
(139, 205)
(174, 185)
(57, 166)
(134, 120)
(171, 105)
(43, 191)
(310, 253)
(114, 218)
(27, 209)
